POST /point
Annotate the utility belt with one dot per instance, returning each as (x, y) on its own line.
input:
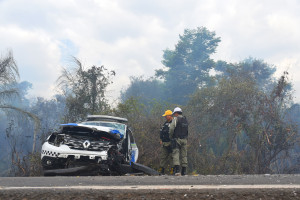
(181, 137)
(174, 143)
(168, 148)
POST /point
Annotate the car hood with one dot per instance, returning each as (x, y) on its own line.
(89, 130)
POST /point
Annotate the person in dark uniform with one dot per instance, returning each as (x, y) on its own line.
(178, 131)
(166, 151)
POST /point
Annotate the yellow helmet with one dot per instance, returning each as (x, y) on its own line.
(168, 112)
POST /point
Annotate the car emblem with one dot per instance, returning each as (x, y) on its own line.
(86, 144)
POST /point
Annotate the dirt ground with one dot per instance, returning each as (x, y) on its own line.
(151, 194)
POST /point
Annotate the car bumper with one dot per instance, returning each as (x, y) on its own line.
(63, 151)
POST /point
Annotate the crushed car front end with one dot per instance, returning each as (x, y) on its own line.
(108, 146)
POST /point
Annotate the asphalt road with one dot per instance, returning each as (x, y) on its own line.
(152, 187)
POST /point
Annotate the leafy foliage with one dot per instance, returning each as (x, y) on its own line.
(146, 90)
(250, 68)
(11, 96)
(145, 125)
(236, 126)
(9, 74)
(241, 119)
(84, 90)
(188, 66)
(241, 126)
(238, 117)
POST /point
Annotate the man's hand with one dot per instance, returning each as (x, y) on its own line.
(160, 142)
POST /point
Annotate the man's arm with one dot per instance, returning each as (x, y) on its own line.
(160, 132)
(172, 127)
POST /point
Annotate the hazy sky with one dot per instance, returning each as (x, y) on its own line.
(129, 36)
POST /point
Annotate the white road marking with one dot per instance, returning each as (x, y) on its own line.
(160, 187)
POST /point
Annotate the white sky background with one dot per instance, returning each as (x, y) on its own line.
(129, 36)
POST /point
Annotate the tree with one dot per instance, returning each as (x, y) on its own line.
(9, 75)
(250, 68)
(84, 90)
(15, 115)
(146, 90)
(242, 128)
(51, 112)
(188, 66)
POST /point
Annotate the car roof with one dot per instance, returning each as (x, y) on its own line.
(106, 118)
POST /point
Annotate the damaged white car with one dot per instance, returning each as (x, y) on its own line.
(101, 145)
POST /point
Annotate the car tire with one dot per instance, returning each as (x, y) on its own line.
(142, 168)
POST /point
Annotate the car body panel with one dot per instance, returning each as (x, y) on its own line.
(106, 142)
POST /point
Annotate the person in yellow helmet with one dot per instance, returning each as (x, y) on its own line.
(166, 151)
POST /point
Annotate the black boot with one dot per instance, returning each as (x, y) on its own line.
(176, 170)
(161, 171)
(183, 171)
